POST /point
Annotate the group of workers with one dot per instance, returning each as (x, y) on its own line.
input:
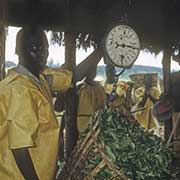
(29, 131)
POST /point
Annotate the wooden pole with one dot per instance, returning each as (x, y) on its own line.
(167, 53)
(70, 96)
(3, 13)
(70, 50)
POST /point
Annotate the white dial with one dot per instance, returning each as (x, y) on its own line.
(122, 46)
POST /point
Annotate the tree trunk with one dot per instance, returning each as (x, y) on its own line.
(70, 97)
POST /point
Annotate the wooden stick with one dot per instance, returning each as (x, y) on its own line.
(108, 162)
(96, 170)
(174, 129)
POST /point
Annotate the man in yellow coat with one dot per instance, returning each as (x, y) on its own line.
(144, 98)
(92, 97)
(29, 130)
(119, 99)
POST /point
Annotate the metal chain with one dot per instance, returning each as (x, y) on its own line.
(113, 92)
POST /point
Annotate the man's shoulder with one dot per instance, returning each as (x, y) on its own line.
(94, 87)
(16, 80)
(50, 70)
(9, 79)
(6, 84)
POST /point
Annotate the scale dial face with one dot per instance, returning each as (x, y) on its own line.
(122, 46)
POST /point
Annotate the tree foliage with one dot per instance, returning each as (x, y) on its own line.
(83, 40)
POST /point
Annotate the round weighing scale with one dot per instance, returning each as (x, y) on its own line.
(121, 46)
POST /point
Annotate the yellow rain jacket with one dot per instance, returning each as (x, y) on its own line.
(27, 119)
(91, 99)
(145, 117)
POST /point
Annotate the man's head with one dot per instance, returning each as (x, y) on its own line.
(163, 109)
(32, 49)
(91, 74)
(148, 81)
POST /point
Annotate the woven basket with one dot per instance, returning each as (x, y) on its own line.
(75, 168)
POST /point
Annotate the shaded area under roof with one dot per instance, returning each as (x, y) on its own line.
(156, 22)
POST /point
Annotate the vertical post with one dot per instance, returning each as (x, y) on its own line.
(71, 96)
(70, 50)
(167, 53)
(3, 6)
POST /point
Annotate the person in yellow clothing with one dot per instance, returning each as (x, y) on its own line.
(92, 97)
(29, 130)
(119, 100)
(144, 98)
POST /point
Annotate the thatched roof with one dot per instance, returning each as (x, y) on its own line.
(156, 22)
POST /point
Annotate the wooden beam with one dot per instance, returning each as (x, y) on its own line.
(2, 50)
(3, 15)
(70, 50)
(71, 98)
(167, 53)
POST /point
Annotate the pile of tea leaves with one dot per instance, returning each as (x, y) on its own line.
(140, 154)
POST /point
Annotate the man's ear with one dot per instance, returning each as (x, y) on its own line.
(17, 51)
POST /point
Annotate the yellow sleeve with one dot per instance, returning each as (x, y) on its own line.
(22, 118)
(61, 79)
(155, 92)
(138, 95)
